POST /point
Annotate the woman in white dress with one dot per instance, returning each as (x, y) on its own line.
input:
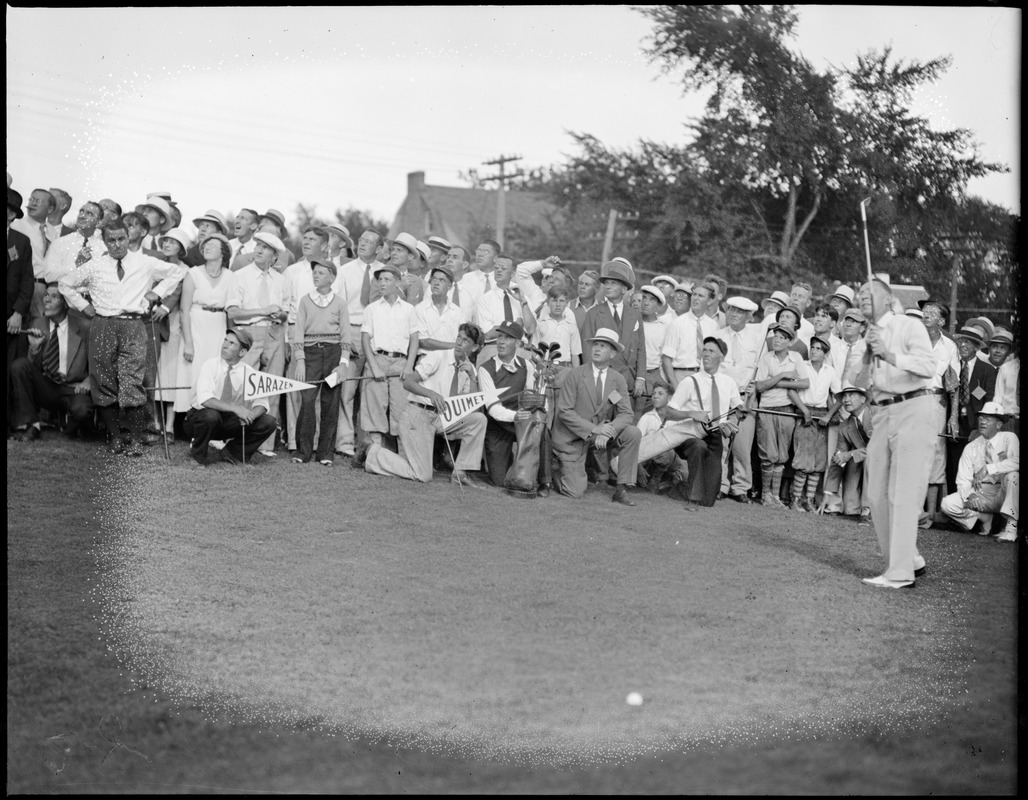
(174, 245)
(204, 292)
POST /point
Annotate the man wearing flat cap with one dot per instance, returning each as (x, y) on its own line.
(613, 312)
(593, 411)
(218, 410)
(437, 318)
(987, 478)
(258, 301)
(976, 385)
(744, 344)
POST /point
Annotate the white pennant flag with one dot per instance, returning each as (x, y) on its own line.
(460, 405)
(261, 384)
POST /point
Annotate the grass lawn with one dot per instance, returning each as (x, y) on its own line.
(293, 628)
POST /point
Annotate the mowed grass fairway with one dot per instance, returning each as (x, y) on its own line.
(290, 627)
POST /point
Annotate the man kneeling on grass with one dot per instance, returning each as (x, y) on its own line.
(218, 409)
(439, 375)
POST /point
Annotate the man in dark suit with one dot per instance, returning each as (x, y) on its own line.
(20, 284)
(55, 374)
(593, 411)
(615, 313)
(846, 471)
(976, 385)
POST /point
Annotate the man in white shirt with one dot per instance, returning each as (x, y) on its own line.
(259, 300)
(703, 411)
(1007, 392)
(219, 411)
(466, 289)
(987, 478)
(485, 263)
(667, 286)
(121, 304)
(745, 344)
(33, 225)
(436, 317)
(683, 345)
(357, 286)
(588, 289)
(501, 305)
(406, 257)
(243, 245)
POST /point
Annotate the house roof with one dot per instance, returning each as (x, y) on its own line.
(458, 214)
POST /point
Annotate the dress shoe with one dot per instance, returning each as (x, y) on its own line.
(1009, 533)
(741, 498)
(543, 490)
(133, 448)
(115, 445)
(885, 583)
(920, 568)
(621, 496)
(690, 506)
(30, 434)
(865, 519)
(268, 453)
(346, 450)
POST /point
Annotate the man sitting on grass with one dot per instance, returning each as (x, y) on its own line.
(219, 411)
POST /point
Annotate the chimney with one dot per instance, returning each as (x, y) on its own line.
(415, 183)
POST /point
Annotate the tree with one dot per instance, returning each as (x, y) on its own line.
(793, 140)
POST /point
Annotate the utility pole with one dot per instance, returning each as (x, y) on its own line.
(501, 198)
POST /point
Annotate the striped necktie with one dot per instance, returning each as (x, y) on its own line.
(52, 357)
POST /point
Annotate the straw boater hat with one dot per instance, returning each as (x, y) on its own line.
(781, 298)
(342, 230)
(1002, 336)
(271, 240)
(158, 204)
(917, 313)
(848, 387)
(179, 236)
(993, 409)
(973, 333)
(424, 251)
(844, 293)
(608, 336)
(407, 241)
(985, 324)
(439, 243)
(215, 216)
(653, 290)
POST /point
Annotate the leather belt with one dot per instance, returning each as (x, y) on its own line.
(899, 398)
(126, 316)
(391, 355)
(942, 392)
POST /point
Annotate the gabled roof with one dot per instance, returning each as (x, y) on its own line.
(457, 213)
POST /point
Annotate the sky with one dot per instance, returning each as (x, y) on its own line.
(266, 107)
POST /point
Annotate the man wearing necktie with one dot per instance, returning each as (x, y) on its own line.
(439, 375)
(846, 474)
(594, 411)
(55, 374)
(976, 385)
(218, 410)
(613, 312)
(157, 213)
(705, 409)
(501, 305)
(121, 305)
(74, 249)
(987, 478)
(33, 225)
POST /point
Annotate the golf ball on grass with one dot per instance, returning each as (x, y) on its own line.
(634, 699)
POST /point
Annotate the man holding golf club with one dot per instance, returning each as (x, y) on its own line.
(900, 452)
(118, 283)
